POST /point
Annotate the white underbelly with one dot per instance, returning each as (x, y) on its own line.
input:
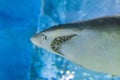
(98, 51)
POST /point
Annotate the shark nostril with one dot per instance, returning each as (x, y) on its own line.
(43, 36)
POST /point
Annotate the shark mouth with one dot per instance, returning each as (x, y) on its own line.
(58, 41)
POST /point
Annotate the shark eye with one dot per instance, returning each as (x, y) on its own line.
(44, 37)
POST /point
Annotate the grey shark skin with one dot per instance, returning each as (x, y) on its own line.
(94, 44)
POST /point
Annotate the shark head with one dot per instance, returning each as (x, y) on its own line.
(52, 38)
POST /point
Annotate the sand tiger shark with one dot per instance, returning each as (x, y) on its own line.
(94, 43)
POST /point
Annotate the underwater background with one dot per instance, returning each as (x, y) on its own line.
(21, 19)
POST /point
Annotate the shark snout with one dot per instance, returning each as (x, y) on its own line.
(34, 40)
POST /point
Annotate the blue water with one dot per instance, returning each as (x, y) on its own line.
(20, 19)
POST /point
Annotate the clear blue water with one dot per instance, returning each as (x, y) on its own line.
(19, 20)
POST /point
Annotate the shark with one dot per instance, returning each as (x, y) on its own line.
(93, 44)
